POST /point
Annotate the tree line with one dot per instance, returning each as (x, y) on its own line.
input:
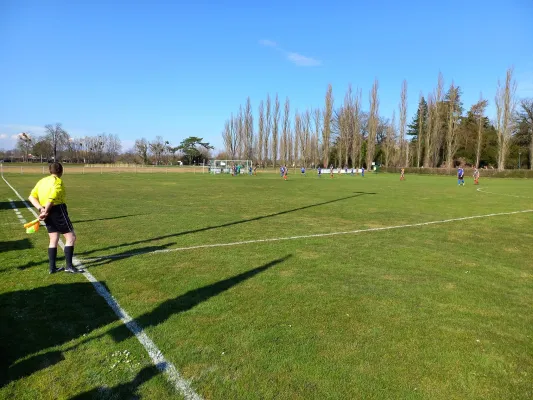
(58, 144)
(441, 133)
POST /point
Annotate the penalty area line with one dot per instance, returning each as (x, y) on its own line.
(316, 235)
(482, 190)
(157, 357)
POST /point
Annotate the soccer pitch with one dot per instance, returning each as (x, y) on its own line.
(257, 288)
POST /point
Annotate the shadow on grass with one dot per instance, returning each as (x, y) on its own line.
(20, 244)
(123, 390)
(6, 205)
(42, 318)
(192, 298)
(105, 219)
(172, 235)
(38, 319)
(124, 255)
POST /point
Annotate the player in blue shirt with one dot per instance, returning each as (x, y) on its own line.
(460, 176)
(319, 170)
(363, 172)
(303, 171)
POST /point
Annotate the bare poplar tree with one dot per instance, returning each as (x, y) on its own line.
(249, 129)
(372, 124)
(240, 131)
(436, 136)
(478, 112)
(451, 136)
(357, 137)
(317, 116)
(305, 140)
(404, 145)
(261, 133)
(290, 145)
(339, 126)
(505, 110)
(429, 130)
(420, 136)
(346, 126)
(284, 145)
(268, 130)
(275, 131)
(390, 140)
(297, 135)
(326, 131)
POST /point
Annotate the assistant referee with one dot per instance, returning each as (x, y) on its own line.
(48, 196)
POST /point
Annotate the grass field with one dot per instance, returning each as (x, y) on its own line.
(439, 311)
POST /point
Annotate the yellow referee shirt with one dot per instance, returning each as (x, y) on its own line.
(49, 189)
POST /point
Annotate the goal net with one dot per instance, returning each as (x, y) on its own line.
(227, 166)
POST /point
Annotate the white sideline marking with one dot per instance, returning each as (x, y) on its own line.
(385, 228)
(482, 190)
(17, 212)
(173, 376)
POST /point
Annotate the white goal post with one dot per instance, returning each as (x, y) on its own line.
(227, 166)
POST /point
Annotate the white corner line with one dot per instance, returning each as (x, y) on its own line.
(159, 360)
(482, 190)
(316, 235)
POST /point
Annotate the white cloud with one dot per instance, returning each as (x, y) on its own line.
(3, 136)
(295, 58)
(303, 61)
(268, 43)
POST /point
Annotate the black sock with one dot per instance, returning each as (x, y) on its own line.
(52, 253)
(69, 252)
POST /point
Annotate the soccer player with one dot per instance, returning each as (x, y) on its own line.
(363, 172)
(319, 170)
(303, 171)
(48, 196)
(331, 170)
(402, 174)
(476, 176)
(353, 172)
(460, 176)
(285, 171)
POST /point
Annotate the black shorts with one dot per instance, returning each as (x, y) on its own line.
(58, 220)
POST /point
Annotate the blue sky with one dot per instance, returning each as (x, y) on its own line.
(175, 69)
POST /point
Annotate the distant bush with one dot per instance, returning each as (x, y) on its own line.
(493, 173)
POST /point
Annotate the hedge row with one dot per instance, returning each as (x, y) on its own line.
(494, 173)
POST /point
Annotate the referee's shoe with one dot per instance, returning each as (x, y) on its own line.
(73, 270)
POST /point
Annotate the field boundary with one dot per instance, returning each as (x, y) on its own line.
(316, 235)
(157, 357)
(482, 190)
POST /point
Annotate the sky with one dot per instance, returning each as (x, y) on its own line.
(141, 69)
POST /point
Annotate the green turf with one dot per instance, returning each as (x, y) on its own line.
(428, 312)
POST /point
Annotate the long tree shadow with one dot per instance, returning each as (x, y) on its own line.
(356, 194)
(20, 244)
(7, 205)
(42, 318)
(126, 254)
(123, 390)
(105, 219)
(99, 261)
(190, 300)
